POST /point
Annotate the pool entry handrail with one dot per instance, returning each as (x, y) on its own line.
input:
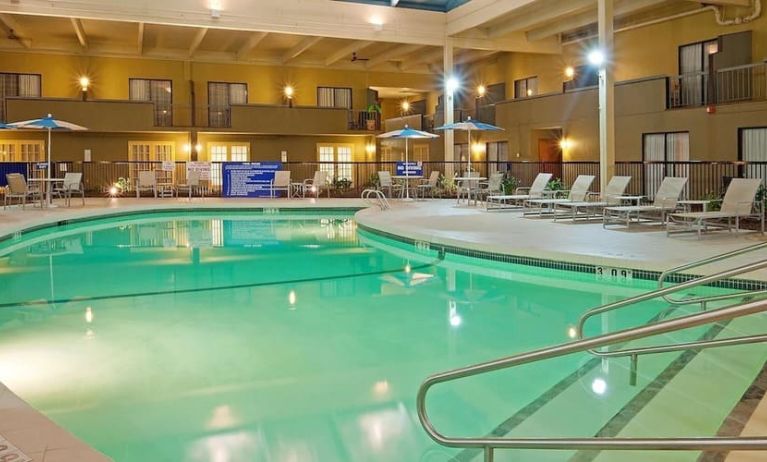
(489, 444)
(375, 197)
(703, 301)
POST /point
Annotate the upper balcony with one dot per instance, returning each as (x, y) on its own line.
(738, 84)
(99, 115)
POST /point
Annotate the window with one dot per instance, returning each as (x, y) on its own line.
(225, 152)
(497, 155)
(334, 97)
(147, 155)
(753, 149)
(18, 85)
(524, 88)
(22, 151)
(693, 72)
(585, 76)
(335, 160)
(221, 97)
(159, 92)
(664, 154)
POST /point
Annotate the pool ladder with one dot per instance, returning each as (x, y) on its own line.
(751, 303)
(375, 197)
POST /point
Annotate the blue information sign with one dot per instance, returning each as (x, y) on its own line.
(409, 168)
(248, 179)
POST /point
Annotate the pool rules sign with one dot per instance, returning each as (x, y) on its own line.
(248, 179)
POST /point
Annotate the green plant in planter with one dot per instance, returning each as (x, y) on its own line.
(374, 108)
(446, 184)
(342, 184)
(122, 184)
(374, 181)
(509, 185)
(555, 184)
(715, 203)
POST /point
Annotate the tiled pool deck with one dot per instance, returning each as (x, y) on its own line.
(439, 222)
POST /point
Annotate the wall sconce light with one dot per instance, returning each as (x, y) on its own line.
(198, 148)
(187, 147)
(477, 148)
(481, 91)
(569, 72)
(565, 144)
(288, 92)
(370, 148)
(405, 106)
(84, 82)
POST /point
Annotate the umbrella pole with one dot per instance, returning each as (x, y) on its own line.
(407, 174)
(468, 155)
(47, 184)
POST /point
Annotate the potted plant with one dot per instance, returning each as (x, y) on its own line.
(373, 114)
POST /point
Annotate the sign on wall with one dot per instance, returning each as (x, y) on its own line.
(410, 168)
(202, 168)
(248, 179)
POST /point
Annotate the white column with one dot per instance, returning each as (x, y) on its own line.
(448, 104)
(606, 93)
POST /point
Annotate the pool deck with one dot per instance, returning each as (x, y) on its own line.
(436, 221)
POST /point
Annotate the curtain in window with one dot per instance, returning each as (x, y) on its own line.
(343, 98)
(238, 93)
(139, 90)
(654, 151)
(29, 85)
(691, 68)
(325, 97)
(754, 149)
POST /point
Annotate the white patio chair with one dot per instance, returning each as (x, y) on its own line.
(316, 185)
(281, 182)
(429, 185)
(578, 192)
(738, 203)
(72, 183)
(385, 182)
(18, 189)
(191, 185)
(146, 181)
(535, 191)
(493, 186)
(592, 208)
(666, 201)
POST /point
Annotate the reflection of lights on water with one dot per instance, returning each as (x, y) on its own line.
(599, 386)
(89, 315)
(311, 246)
(381, 388)
(453, 316)
(383, 427)
(222, 417)
(89, 334)
(571, 332)
(227, 447)
(408, 268)
(292, 297)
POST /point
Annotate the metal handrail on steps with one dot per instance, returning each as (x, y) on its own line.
(490, 444)
(378, 198)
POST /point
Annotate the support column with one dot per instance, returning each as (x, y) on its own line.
(448, 105)
(606, 94)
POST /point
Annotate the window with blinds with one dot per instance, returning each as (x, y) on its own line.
(158, 92)
(221, 97)
(334, 97)
(526, 87)
(753, 150)
(18, 86)
(335, 160)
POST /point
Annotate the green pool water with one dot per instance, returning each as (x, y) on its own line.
(292, 337)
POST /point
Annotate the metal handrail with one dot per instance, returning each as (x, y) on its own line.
(704, 300)
(383, 203)
(488, 445)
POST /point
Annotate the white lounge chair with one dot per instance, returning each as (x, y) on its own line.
(72, 183)
(578, 192)
(493, 186)
(18, 189)
(592, 208)
(146, 181)
(281, 182)
(666, 201)
(535, 191)
(316, 185)
(385, 182)
(738, 203)
(467, 188)
(192, 184)
(429, 186)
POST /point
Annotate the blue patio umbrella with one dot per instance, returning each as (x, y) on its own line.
(469, 125)
(406, 134)
(4, 126)
(47, 123)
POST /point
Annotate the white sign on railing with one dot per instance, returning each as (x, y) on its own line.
(203, 168)
(168, 166)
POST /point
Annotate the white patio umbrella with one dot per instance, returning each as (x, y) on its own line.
(50, 124)
(469, 125)
(407, 133)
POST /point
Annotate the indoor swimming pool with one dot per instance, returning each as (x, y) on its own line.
(295, 336)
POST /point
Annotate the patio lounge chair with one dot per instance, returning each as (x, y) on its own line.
(578, 192)
(493, 186)
(18, 189)
(590, 209)
(316, 185)
(281, 182)
(192, 184)
(535, 191)
(429, 186)
(666, 201)
(72, 183)
(146, 181)
(385, 182)
(738, 203)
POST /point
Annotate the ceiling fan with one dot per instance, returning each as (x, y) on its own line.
(356, 58)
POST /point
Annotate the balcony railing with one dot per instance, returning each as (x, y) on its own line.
(724, 86)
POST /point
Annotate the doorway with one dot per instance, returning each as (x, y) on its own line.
(550, 156)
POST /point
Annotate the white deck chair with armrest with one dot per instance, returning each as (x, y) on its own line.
(506, 201)
(592, 208)
(192, 184)
(429, 185)
(317, 184)
(666, 201)
(492, 186)
(146, 181)
(18, 189)
(578, 192)
(281, 182)
(739, 202)
(72, 183)
(385, 182)
(468, 187)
